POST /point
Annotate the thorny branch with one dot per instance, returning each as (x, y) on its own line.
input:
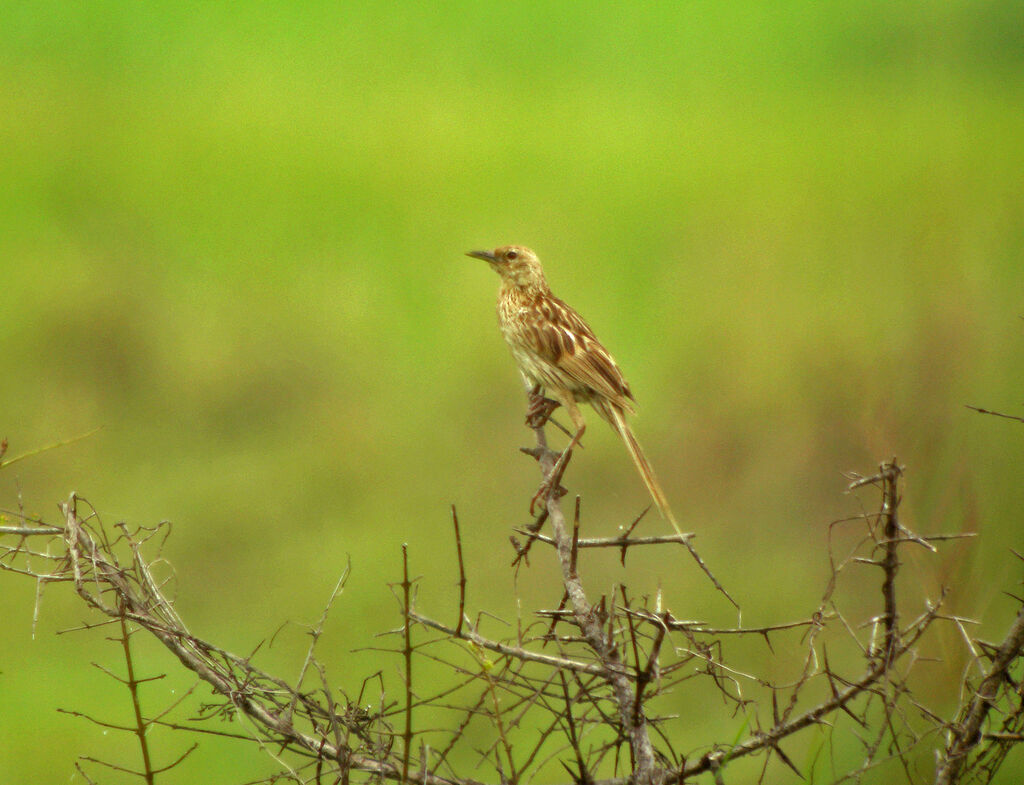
(998, 687)
(128, 592)
(631, 715)
(603, 688)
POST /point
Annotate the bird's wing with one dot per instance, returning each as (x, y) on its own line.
(561, 337)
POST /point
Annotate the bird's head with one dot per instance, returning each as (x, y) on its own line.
(517, 265)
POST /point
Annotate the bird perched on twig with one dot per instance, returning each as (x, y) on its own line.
(558, 354)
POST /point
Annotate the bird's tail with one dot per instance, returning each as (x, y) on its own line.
(618, 418)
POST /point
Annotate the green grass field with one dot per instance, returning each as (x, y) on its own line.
(232, 235)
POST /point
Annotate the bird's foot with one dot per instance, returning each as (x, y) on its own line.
(540, 410)
(549, 489)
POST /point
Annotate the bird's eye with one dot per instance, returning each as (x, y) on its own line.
(510, 255)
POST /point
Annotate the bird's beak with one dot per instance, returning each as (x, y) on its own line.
(487, 256)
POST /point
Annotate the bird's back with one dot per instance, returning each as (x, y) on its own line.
(556, 348)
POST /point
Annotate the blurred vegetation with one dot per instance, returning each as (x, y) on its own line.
(232, 236)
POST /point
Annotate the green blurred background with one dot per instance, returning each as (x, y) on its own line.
(232, 235)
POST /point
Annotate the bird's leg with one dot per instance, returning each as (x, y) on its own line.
(540, 409)
(539, 412)
(552, 482)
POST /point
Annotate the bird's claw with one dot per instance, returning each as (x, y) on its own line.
(540, 411)
(546, 490)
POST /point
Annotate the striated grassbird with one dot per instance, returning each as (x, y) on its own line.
(559, 355)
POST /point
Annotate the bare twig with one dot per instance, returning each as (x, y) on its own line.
(633, 719)
(462, 572)
(62, 443)
(965, 735)
(141, 725)
(515, 652)
(995, 414)
(614, 542)
(889, 474)
(407, 652)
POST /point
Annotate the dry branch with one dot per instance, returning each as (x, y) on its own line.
(965, 735)
(578, 687)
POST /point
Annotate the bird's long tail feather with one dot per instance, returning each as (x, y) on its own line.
(618, 418)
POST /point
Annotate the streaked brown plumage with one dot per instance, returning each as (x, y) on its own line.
(557, 352)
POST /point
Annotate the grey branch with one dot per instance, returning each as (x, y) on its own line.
(965, 735)
(631, 715)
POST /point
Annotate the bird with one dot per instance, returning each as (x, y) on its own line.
(559, 355)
